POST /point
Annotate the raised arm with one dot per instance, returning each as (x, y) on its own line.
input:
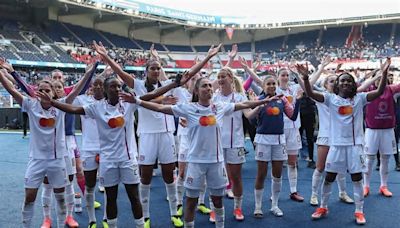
(126, 77)
(10, 87)
(250, 71)
(45, 97)
(185, 77)
(232, 54)
(382, 84)
(160, 91)
(16, 78)
(315, 76)
(253, 104)
(372, 78)
(128, 97)
(213, 51)
(84, 82)
(303, 70)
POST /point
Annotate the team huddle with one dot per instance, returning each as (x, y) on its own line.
(208, 149)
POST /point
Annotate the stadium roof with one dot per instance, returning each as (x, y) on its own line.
(196, 23)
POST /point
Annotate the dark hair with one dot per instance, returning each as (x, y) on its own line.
(354, 88)
(195, 94)
(106, 83)
(147, 84)
(51, 86)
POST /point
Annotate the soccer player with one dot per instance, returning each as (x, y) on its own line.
(46, 149)
(346, 138)
(118, 163)
(271, 142)
(205, 157)
(233, 134)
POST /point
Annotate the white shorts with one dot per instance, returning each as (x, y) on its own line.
(322, 141)
(183, 148)
(234, 155)
(113, 173)
(72, 147)
(37, 169)
(214, 174)
(270, 152)
(379, 139)
(293, 141)
(70, 165)
(89, 161)
(341, 159)
(154, 146)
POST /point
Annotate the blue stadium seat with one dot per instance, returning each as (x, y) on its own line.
(8, 54)
(179, 48)
(87, 35)
(120, 41)
(378, 33)
(56, 31)
(202, 48)
(269, 44)
(309, 39)
(335, 37)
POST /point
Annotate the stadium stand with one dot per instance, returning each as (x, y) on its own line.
(64, 41)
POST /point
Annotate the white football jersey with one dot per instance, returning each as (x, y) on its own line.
(290, 93)
(184, 96)
(232, 126)
(346, 119)
(90, 135)
(204, 130)
(47, 140)
(150, 121)
(115, 128)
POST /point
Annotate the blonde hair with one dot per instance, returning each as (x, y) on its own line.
(237, 83)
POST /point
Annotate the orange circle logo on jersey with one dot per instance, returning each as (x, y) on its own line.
(207, 120)
(273, 111)
(97, 158)
(345, 110)
(290, 99)
(44, 122)
(116, 122)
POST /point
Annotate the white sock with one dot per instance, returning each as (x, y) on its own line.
(258, 194)
(139, 222)
(358, 195)
(316, 182)
(202, 194)
(105, 206)
(211, 203)
(89, 197)
(171, 193)
(341, 181)
(27, 214)
(384, 169)
(367, 175)
(237, 202)
(220, 217)
(145, 199)
(61, 209)
(47, 200)
(189, 224)
(112, 223)
(326, 193)
(275, 190)
(69, 198)
(292, 174)
(180, 190)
